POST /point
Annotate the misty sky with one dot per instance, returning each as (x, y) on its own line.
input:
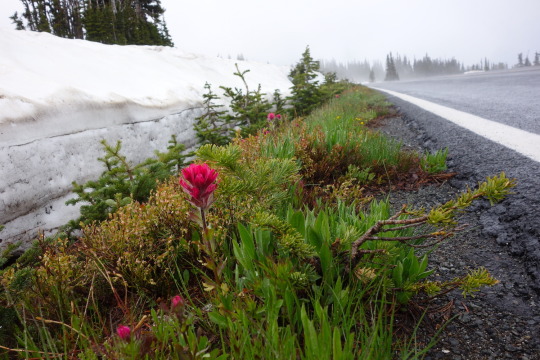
(278, 31)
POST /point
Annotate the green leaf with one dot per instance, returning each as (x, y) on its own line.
(218, 319)
(397, 274)
(248, 245)
(337, 351)
(311, 345)
(297, 221)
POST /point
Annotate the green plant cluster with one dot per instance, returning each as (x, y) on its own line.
(247, 112)
(247, 109)
(435, 162)
(122, 183)
(296, 262)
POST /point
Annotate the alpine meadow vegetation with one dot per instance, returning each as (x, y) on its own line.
(273, 243)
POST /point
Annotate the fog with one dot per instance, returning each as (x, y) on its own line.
(278, 31)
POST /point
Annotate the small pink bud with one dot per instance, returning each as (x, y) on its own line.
(124, 332)
(177, 301)
(271, 116)
(278, 116)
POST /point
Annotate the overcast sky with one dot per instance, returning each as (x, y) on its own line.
(278, 31)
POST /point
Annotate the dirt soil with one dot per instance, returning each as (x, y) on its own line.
(500, 322)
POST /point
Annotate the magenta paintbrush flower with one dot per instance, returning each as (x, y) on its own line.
(177, 301)
(271, 116)
(124, 332)
(198, 181)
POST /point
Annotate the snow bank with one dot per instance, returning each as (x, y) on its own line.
(60, 97)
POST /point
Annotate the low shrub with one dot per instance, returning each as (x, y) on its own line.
(269, 240)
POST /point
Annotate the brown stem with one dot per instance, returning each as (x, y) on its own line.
(378, 227)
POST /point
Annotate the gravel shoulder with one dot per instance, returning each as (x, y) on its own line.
(500, 322)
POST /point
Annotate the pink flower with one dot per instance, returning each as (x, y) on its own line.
(198, 181)
(278, 116)
(177, 302)
(124, 332)
(337, 96)
(271, 116)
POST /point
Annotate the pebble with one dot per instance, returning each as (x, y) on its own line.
(511, 348)
(453, 342)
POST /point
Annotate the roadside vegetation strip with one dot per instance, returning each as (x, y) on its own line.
(265, 248)
(521, 141)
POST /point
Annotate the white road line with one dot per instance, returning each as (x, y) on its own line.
(522, 141)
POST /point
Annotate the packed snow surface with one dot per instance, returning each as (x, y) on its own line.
(60, 97)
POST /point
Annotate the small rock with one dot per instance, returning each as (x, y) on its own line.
(511, 348)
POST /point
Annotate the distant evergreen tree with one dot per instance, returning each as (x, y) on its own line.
(122, 22)
(520, 60)
(403, 67)
(306, 94)
(527, 61)
(391, 72)
(371, 76)
(536, 59)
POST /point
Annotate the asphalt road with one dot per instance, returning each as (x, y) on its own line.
(511, 98)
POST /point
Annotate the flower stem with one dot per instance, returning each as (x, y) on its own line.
(203, 218)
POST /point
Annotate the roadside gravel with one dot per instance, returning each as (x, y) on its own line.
(501, 322)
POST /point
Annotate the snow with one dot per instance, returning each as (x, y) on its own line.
(60, 97)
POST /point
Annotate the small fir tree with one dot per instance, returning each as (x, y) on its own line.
(210, 126)
(279, 103)
(306, 94)
(122, 182)
(248, 110)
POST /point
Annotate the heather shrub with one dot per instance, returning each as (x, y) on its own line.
(140, 242)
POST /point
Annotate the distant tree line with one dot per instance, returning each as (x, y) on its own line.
(355, 71)
(124, 22)
(527, 62)
(401, 67)
(486, 65)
